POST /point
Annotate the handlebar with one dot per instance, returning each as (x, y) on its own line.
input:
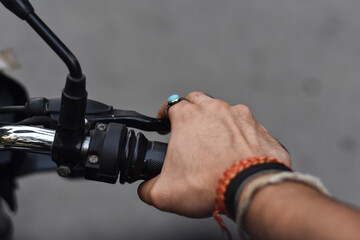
(26, 139)
(109, 150)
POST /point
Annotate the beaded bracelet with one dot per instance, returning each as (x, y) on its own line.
(233, 172)
(238, 183)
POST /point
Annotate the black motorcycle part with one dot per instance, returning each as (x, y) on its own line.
(42, 111)
(145, 162)
(95, 112)
(103, 158)
(6, 227)
(21, 8)
(66, 149)
(132, 119)
(11, 93)
(114, 149)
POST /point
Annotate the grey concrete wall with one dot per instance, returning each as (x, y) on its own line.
(295, 63)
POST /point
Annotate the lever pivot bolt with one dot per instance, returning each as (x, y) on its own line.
(101, 127)
(63, 171)
(93, 159)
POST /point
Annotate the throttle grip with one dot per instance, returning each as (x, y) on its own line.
(154, 159)
(114, 149)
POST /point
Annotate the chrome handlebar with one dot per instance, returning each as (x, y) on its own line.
(26, 138)
(29, 139)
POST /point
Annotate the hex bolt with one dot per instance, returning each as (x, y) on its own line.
(63, 171)
(101, 126)
(93, 159)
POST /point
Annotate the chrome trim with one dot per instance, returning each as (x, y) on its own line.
(85, 147)
(26, 138)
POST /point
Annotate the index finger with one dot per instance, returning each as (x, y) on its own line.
(162, 111)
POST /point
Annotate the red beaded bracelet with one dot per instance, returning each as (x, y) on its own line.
(224, 182)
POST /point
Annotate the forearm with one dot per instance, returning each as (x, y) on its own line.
(293, 210)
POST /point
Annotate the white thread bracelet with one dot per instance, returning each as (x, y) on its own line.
(258, 184)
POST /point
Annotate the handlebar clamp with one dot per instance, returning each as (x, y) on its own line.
(104, 153)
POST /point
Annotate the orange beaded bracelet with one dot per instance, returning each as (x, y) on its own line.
(224, 181)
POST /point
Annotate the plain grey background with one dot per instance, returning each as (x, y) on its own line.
(295, 63)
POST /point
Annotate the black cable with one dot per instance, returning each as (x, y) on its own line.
(38, 120)
(12, 109)
(5, 123)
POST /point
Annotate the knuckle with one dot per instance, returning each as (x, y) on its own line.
(195, 94)
(197, 97)
(182, 111)
(262, 128)
(244, 111)
(218, 105)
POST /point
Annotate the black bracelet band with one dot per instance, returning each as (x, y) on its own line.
(236, 182)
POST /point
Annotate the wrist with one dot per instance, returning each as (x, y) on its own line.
(277, 207)
(274, 198)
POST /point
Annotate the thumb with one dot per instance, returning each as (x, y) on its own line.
(144, 190)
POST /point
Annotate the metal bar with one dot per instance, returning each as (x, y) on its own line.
(27, 139)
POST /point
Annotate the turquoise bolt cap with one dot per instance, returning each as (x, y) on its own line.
(173, 98)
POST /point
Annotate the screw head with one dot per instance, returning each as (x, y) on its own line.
(63, 171)
(101, 126)
(93, 159)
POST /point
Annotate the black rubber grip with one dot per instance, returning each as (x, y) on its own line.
(141, 159)
(154, 159)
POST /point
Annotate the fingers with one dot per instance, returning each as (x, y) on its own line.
(162, 111)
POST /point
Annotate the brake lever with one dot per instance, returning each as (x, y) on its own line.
(95, 112)
(132, 119)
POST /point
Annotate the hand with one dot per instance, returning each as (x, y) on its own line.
(207, 136)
